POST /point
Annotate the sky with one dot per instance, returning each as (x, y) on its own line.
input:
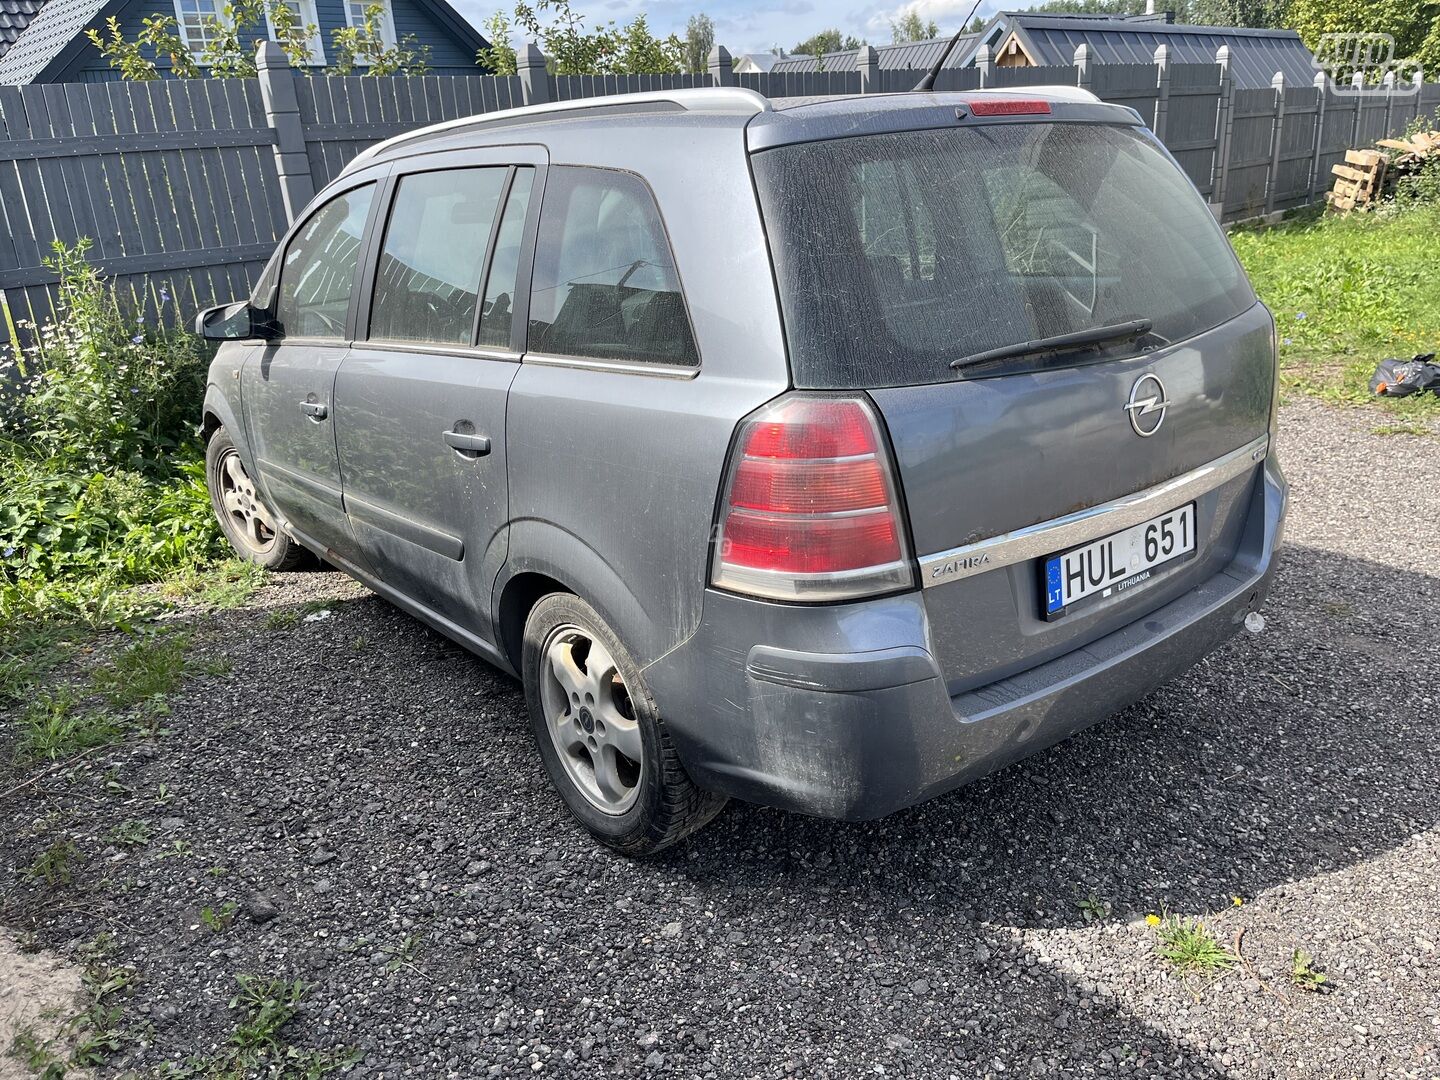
(756, 25)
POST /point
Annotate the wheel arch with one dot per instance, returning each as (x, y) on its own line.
(542, 559)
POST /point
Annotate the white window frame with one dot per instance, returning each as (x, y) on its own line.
(195, 47)
(308, 17)
(387, 18)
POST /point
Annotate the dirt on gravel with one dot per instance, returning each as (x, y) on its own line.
(38, 993)
(369, 796)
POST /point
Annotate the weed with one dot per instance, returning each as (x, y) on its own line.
(147, 671)
(227, 584)
(402, 953)
(1092, 908)
(54, 866)
(52, 728)
(112, 783)
(282, 619)
(1190, 948)
(1305, 975)
(1401, 429)
(132, 833)
(178, 849)
(39, 1057)
(219, 920)
(96, 1029)
(257, 1046)
(28, 653)
(218, 871)
(163, 795)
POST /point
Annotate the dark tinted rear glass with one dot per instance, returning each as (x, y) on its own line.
(901, 252)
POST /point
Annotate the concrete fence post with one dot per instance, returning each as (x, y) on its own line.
(982, 64)
(1418, 83)
(1224, 127)
(1277, 134)
(1084, 77)
(867, 60)
(534, 76)
(720, 66)
(282, 116)
(1162, 91)
(1317, 182)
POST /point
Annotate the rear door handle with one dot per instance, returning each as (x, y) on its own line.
(316, 410)
(479, 445)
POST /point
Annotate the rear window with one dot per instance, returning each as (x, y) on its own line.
(898, 253)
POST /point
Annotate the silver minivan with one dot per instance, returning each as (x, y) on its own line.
(825, 453)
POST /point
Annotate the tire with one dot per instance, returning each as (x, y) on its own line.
(248, 524)
(591, 727)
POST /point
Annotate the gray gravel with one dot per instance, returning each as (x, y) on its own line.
(364, 782)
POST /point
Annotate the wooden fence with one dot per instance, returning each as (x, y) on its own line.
(184, 186)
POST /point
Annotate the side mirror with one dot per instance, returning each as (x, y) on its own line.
(236, 322)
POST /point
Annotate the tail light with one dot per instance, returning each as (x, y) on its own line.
(810, 510)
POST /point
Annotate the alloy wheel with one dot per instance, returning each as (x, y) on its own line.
(250, 521)
(590, 719)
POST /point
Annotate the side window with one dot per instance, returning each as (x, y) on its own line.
(318, 272)
(605, 282)
(500, 284)
(428, 280)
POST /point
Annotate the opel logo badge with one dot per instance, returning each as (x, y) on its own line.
(1147, 405)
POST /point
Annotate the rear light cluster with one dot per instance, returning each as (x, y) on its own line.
(810, 509)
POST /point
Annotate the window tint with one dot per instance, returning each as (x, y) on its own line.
(500, 284)
(429, 274)
(605, 282)
(318, 273)
(898, 253)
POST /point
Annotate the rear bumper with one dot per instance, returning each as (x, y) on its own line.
(841, 711)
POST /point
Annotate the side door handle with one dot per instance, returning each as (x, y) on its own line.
(316, 410)
(468, 443)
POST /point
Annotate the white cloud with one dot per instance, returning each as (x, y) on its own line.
(947, 13)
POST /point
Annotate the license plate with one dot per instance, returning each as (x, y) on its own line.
(1117, 563)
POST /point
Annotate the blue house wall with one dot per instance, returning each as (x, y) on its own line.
(448, 56)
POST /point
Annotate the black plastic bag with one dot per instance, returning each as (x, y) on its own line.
(1401, 378)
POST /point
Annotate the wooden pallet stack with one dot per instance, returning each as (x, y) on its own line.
(1359, 181)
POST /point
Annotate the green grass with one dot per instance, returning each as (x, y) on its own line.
(225, 584)
(148, 670)
(1348, 291)
(1190, 948)
(53, 728)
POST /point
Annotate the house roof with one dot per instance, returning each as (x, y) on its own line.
(15, 16)
(761, 61)
(1255, 55)
(909, 55)
(52, 37)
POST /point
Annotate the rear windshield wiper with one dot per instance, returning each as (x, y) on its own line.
(1081, 339)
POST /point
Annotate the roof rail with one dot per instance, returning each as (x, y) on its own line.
(698, 99)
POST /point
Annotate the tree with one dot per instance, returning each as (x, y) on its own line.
(827, 41)
(1414, 24)
(499, 58)
(572, 49)
(365, 45)
(699, 40)
(910, 27)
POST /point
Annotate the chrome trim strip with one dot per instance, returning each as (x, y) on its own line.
(839, 585)
(1083, 526)
(655, 371)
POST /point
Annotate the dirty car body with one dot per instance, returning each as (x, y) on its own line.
(758, 392)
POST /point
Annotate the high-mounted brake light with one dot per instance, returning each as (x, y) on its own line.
(1010, 107)
(810, 510)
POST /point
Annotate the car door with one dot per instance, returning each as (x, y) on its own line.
(288, 385)
(421, 401)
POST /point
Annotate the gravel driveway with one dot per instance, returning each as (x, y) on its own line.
(379, 788)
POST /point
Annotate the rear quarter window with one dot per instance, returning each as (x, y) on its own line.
(605, 284)
(898, 253)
